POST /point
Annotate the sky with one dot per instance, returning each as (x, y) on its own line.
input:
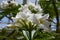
(0, 1)
(21, 1)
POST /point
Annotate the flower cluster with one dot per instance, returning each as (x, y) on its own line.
(6, 4)
(26, 16)
(31, 7)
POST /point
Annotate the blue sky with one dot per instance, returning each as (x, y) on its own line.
(0, 1)
(21, 1)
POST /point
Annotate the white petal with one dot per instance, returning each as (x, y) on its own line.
(31, 4)
(44, 27)
(38, 7)
(38, 16)
(9, 25)
(46, 16)
(12, 1)
(46, 23)
(33, 19)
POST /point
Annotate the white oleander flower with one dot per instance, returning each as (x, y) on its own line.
(11, 26)
(37, 19)
(14, 2)
(46, 29)
(40, 20)
(38, 7)
(45, 23)
(5, 4)
(35, 7)
(30, 7)
(21, 16)
(24, 8)
(31, 4)
(33, 19)
(26, 15)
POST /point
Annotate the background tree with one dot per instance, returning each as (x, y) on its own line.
(49, 6)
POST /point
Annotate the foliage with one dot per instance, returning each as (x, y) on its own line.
(19, 35)
(47, 7)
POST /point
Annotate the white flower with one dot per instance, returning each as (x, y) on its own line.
(40, 20)
(31, 4)
(10, 25)
(37, 19)
(27, 7)
(44, 21)
(35, 7)
(25, 14)
(39, 15)
(46, 16)
(38, 7)
(24, 9)
(21, 15)
(5, 4)
(18, 24)
(47, 29)
(13, 2)
(33, 19)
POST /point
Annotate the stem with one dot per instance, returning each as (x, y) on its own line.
(30, 34)
(9, 18)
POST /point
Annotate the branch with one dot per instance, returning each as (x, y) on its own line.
(9, 18)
